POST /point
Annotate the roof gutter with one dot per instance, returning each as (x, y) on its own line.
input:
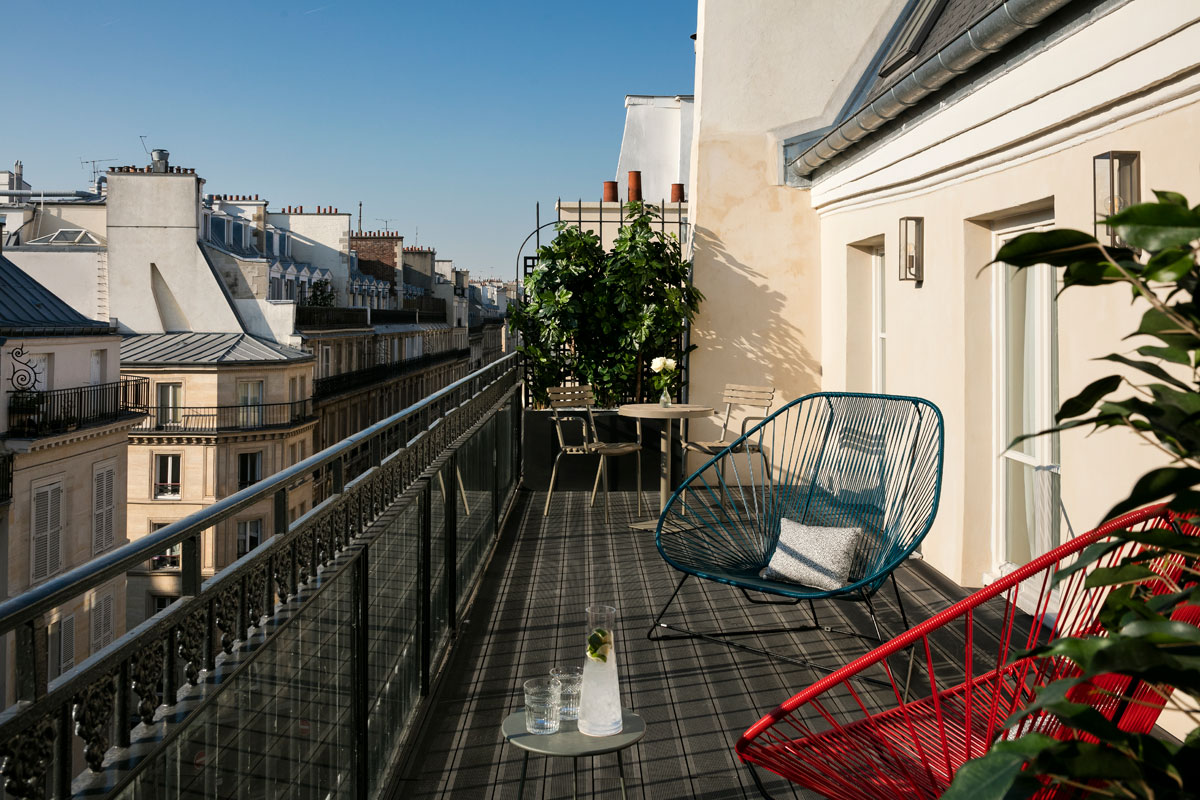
(979, 41)
(45, 193)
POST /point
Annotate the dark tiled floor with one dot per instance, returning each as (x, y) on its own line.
(696, 697)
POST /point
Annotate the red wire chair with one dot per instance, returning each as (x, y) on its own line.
(908, 737)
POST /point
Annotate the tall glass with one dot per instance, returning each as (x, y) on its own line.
(600, 703)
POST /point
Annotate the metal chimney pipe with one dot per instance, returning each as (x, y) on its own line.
(635, 186)
(610, 192)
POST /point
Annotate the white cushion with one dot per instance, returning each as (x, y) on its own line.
(813, 555)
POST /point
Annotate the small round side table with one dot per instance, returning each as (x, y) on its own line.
(570, 742)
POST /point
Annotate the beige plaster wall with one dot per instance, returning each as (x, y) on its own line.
(766, 69)
(940, 339)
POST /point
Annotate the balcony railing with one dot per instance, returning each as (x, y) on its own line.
(6, 476)
(216, 419)
(435, 307)
(302, 667)
(369, 376)
(43, 413)
(322, 317)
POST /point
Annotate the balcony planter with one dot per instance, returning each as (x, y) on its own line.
(579, 472)
(24, 402)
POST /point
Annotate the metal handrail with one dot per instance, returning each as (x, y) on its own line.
(41, 599)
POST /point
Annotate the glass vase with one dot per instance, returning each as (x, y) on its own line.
(600, 702)
(665, 399)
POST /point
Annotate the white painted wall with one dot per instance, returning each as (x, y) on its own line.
(158, 278)
(78, 278)
(658, 142)
(270, 319)
(322, 240)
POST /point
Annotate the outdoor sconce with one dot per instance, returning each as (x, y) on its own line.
(912, 248)
(1117, 186)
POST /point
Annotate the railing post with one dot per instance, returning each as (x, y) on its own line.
(360, 652)
(31, 647)
(337, 471)
(426, 584)
(190, 566)
(451, 500)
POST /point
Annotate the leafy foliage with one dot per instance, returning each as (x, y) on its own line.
(1144, 637)
(599, 317)
(321, 294)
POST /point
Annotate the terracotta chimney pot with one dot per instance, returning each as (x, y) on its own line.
(635, 186)
(610, 192)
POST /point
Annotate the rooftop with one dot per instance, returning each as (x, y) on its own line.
(27, 307)
(165, 349)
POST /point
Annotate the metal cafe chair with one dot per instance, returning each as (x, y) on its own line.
(587, 442)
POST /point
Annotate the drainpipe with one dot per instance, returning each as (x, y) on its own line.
(982, 39)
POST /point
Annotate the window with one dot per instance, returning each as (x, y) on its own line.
(46, 557)
(170, 399)
(250, 398)
(290, 286)
(293, 387)
(237, 237)
(99, 367)
(269, 243)
(160, 602)
(249, 468)
(102, 621)
(303, 388)
(40, 364)
(166, 476)
(217, 230)
(61, 647)
(249, 533)
(104, 477)
(879, 305)
(291, 454)
(169, 558)
(326, 361)
(284, 245)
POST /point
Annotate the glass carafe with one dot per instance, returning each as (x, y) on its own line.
(600, 703)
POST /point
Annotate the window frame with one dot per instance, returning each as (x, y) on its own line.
(154, 476)
(243, 535)
(243, 478)
(103, 540)
(54, 536)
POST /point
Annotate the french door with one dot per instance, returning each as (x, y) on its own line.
(1026, 475)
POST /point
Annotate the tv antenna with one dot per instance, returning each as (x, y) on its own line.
(147, 149)
(385, 223)
(85, 162)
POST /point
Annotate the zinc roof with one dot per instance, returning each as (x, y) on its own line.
(205, 348)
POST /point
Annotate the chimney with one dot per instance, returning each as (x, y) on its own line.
(159, 160)
(610, 192)
(635, 186)
(677, 193)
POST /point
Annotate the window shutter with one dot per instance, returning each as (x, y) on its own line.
(66, 638)
(102, 622)
(40, 555)
(103, 508)
(54, 533)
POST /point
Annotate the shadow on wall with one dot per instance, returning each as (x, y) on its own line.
(757, 344)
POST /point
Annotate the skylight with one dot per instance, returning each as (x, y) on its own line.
(912, 37)
(68, 236)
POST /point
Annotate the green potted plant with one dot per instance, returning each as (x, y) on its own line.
(1140, 639)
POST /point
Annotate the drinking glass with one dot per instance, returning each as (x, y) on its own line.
(543, 697)
(571, 679)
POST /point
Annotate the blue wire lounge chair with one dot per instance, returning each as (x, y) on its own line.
(837, 460)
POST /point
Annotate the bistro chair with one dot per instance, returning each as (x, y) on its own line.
(753, 398)
(586, 441)
(826, 498)
(843, 738)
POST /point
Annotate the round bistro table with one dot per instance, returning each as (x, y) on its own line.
(666, 414)
(570, 742)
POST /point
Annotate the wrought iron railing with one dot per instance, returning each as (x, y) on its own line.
(6, 477)
(368, 376)
(318, 317)
(168, 419)
(300, 668)
(43, 413)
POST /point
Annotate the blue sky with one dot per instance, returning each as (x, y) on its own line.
(450, 117)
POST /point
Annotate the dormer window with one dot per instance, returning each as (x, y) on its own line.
(283, 245)
(238, 238)
(269, 243)
(217, 231)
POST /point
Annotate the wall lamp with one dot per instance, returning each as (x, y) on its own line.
(912, 249)
(1116, 186)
